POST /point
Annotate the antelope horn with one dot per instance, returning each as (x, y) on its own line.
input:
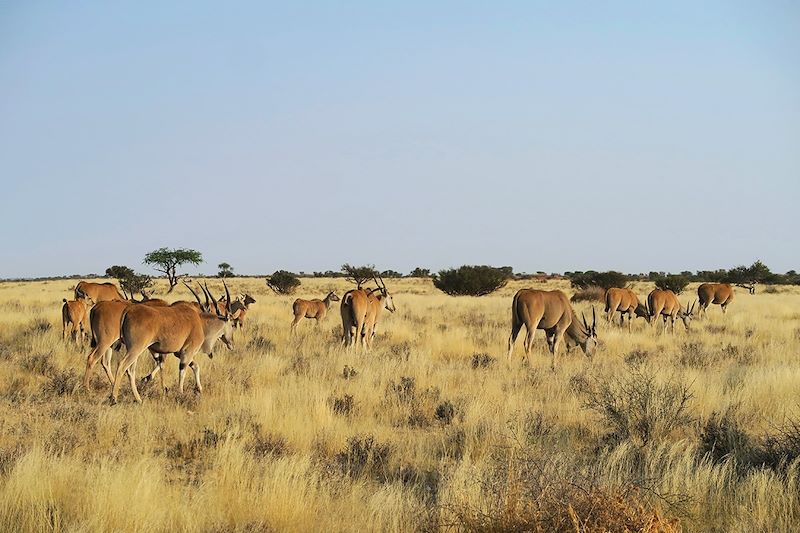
(594, 319)
(585, 324)
(227, 298)
(213, 300)
(383, 285)
(196, 297)
(693, 304)
(207, 307)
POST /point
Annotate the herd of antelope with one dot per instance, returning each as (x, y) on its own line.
(185, 328)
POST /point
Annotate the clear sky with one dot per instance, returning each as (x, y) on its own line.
(542, 135)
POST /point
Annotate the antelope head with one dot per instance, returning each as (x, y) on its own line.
(227, 318)
(687, 314)
(590, 344)
(247, 300)
(388, 303)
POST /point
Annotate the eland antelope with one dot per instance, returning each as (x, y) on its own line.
(98, 292)
(316, 309)
(75, 315)
(177, 329)
(360, 310)
(105, 318)
(665, 303)
(714, 293)
(552, 312)
(242, 305)
(625, 302)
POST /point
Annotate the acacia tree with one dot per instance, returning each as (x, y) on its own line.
(225, 270)
(167, 261)
(359, 274)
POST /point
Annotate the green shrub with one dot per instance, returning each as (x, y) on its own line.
(672, 282)
(591, 278)
(471, 280)
(283, 282)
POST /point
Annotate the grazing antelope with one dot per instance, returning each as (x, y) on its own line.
(360, 310)
(714, 293)
(98, 292)
(552, 312)
(666, 304)
(178, 329)
(75, 314)
(625, 302)
(316, 309)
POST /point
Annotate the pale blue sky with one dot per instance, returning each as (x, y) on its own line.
(543, 135)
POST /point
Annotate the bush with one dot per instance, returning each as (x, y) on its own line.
(129, 281)
(135, 283)
(589, 294)
(342, 405)
(471, 280)
(482, 360)
(672, 282)
(523, 490)
(283, 282)
(722, 438)
(364, 456)
(118, 271)
(635, 405)
(606, 280)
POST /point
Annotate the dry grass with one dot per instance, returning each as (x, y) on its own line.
(434, 430)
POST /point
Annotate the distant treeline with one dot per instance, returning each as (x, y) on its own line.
(758, 272)
(748, 276)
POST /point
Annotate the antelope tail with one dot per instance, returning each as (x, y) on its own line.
(514, 313)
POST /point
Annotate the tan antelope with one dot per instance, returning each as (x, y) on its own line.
(98, 292)
(625, 302)
(665, 303)
(316, 309)
(242, 304)
(552, 312)
(360, 310)
(714, 293)
(75, 315)
(177, 329)
(105, 319)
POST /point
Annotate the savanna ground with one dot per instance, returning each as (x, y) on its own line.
(433, 430)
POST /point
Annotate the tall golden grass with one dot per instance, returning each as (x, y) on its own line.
(433, 430)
